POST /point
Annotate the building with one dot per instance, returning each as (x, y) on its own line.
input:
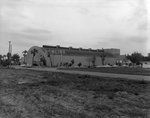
(56, 56)
(145, 64)
(122, 60)
(113, 51)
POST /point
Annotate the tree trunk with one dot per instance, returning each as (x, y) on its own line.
(51, 62)
(24, 59)
(103, 61)
(32, 60)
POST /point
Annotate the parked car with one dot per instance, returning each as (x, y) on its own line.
(125, 66)
(25, 65)
(114, 66)
(103, 66)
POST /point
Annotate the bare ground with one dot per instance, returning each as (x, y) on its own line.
(34, 94)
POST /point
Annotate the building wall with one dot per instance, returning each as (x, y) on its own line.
(113, 51)
(57, 59)
(110, 60)
(146, 64)
(83, 59)
(77, 59)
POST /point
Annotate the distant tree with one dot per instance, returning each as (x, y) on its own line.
(9, 58)
(34, 51)
(79, 64)
(4, 57)
(135, 58)
(93, 60)
(15, 58)
(103, 57)
(49, 55)
(146, 58)
(1, 59)
(24, 54)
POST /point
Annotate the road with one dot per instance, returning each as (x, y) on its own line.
(137, 77)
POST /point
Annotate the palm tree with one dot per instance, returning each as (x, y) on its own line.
(103, 56)
(1, 56)
(4, 57)
(24, 54)
(1, 59)
(34, 51)
(89, 60)
(8, 55)
(16, 58)
(9, 58)
(49, 55)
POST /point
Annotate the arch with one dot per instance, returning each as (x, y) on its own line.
(40, 53)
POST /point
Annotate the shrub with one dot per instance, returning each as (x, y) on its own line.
(79, 64)
(70, 64)
(6, 63)
(72, 61)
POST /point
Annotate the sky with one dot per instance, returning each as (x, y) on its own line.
(96, 24)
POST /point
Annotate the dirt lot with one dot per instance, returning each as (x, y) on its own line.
(35, 94)
(118, 70)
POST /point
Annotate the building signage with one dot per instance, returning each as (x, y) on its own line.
(57, 52)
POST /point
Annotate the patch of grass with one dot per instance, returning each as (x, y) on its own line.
(110, 85)
(119, 70)
(134, 113)
(49, 94)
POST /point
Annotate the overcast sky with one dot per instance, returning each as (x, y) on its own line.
(96, 24)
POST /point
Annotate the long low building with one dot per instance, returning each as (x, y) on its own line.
(56, 56)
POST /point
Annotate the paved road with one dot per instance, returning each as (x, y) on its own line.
(137, 77)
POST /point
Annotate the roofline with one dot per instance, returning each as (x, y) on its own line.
(71, 48)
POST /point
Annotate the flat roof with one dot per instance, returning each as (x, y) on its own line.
(60, 47)
(79, 51)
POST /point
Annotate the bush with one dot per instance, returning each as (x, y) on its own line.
(79, 64)
(72, 61)
(5, 63)
(70, 64)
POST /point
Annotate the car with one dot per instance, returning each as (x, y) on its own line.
(23, 65)
(99, 66)
(114, 66)
(26, 65)
(103, 66)
(125, 66)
